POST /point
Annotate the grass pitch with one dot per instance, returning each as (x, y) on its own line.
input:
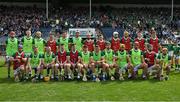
(129, 90)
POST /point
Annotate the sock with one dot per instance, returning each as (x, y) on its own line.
(48, 70)
(62, 72)
(113, 71)
(84, 70)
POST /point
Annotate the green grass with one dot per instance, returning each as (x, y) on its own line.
(130, 90)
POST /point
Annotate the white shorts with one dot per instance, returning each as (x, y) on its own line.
(171, 53)
(16, 72)
(137, 67)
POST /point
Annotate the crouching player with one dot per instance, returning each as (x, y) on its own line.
(48, 63)
(97, 62)
(19, 64)
(138, 62)
(61, 61)
(165, 62)
(109, 62)
(73, 63)
(123, 62)
(35, 62)
(150, 59)
(85, 60)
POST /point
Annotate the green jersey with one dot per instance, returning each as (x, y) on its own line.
(136, 56)
(78, 42)
(176, 50)
(109, 54)
(39, 43)
(11, 46)
(122, 58)
(65, 42)
(85, 57)
(48, 58)
(27, 44)
(164, 58)
(97, 56)
(35, 59)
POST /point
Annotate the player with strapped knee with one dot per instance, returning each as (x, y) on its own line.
(137, 61)
(109, 62)
(150, 59)
(85, 61)
(35, 62)
(165, 62)
(48, 63)
(123, 62)
(74, 61)
(18, 64)
(61, 61)
(97, 62)
(11, 48)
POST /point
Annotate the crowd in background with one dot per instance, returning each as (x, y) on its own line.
(20, 19)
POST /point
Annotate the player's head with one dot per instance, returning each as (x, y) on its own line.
(85, 48)
(122, 47)
(149, 47)
(108, 45)
(48, 49)
(28, 33)
(164, 51)
(88, 36)
(153, 33)
(64, 34)
(51, 37)
(38, 34)
(61, 47)
(20, 48)
(115, 34)
(12, 34)
(73, 47)
(35, 49)
(139, 34)
(101, 37)
(77, 33)
(126, 33)
(136, 45)
(96, 48)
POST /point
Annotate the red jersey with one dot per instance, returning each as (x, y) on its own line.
(19, 56)
(141, 43)
(101, 44)
(155, 44)
(73, 56)
(151, 56)
(127, 43)
(61, 56)
(115, 44)
(52, 45)
(90, 45)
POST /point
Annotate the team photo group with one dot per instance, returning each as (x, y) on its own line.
(57, 59)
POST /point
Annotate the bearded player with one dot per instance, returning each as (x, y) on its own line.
(97, 63)
(11, 48)
(137, 61)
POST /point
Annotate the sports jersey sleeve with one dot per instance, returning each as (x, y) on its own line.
(6, 42)
(102, 53)
(31, 56)
(33, 41)
(91, 54)
(79, 54)
(42, 56)
(68, 53)
(22, 40)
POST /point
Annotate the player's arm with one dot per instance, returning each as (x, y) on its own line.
(142, 58)
(53, 58)
(79, 57)
(91, 58)
(102, 57)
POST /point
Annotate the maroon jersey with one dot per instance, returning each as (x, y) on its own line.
(101, 44)
(127, 43)
(155, 44)
(151, 56)
(141, 43)
(17, 56)
(90, 45)
(61, 56)
(73, 56)
(115, 44)
(52, 45)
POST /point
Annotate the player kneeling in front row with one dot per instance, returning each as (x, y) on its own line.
(165, 63)
(48, 63)
(61, 61)
(138, 62)
(97, 62)
(110, 65)
(85, 61)
(19, 64)
(150, 58)
(35, 62)
(73, 63)
(123, 62)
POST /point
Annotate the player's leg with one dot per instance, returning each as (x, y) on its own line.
(144, 66)
(68, 70)
(84, 70)
(111, 71)
(8, 61)
(105, 69)
(92, 67)
(79, 70)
